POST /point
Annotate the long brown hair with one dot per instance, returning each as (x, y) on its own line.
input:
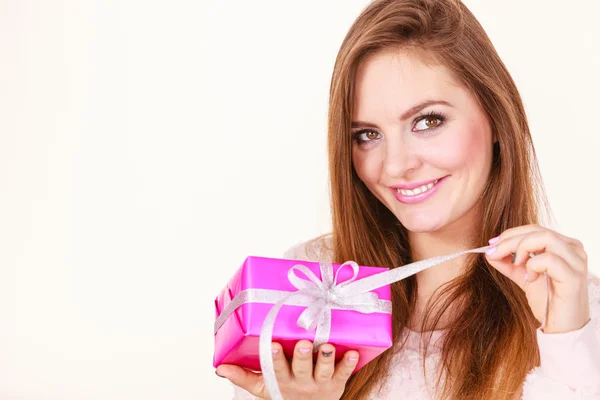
(491, 344)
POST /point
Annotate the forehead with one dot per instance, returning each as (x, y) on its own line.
(390, 82)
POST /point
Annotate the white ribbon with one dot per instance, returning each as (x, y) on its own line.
(327, 294)
(320, 296)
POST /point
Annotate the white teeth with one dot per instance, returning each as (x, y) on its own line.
(418, 190)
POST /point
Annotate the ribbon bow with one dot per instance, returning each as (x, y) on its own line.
(326, 293)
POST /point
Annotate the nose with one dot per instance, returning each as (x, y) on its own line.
(400, 159)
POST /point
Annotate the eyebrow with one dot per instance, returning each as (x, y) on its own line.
(409, 113)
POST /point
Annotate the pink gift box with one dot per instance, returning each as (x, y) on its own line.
(236, 341)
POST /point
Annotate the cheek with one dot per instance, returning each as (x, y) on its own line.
(459, 150)
(367, 165)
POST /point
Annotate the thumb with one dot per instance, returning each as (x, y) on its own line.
(244, 378)
(515, 273)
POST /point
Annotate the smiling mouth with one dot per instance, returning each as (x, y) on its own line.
(419, 190)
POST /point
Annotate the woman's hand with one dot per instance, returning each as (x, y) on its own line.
(300, 381)
(562, 258)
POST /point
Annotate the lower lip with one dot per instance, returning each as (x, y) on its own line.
(420, 197)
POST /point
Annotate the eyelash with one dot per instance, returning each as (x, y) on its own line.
(432, 114)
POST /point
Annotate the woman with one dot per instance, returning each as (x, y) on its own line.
(430, 154)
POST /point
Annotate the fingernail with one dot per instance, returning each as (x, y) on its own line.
(304, 350)
(494, 240)
(491, 250)
(526, 276)
(352, 359)
(221, 376)
(514, 257)
(327, 353)
(275, 351)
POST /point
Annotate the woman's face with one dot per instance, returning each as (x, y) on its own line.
(415, 127)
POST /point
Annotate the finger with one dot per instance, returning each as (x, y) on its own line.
(504, 248)
(302, 366)
(325, 363)
(345, 367)
(580, 250)
(246, 379)
(515, 273)
(280, 364)
(516, 231)
(525, 229)
(510, 255)
(554, 265)
(520, 247)
(548, 241)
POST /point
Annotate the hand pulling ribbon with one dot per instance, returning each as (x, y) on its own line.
(321, 296)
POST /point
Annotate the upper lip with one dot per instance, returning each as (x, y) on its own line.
(413, 185)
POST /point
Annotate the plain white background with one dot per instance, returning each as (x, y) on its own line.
(148, 147)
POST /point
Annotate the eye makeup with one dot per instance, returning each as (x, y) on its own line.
(359, 136)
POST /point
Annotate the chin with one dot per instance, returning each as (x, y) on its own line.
(421, 229)
(421, 225)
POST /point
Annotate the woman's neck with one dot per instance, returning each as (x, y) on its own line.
(453, 238)
(427, 245)
(429, 280)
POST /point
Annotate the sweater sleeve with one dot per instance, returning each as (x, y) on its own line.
(569, 362)
(317, 249)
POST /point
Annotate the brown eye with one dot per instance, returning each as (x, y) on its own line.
(430, 122)
(365, 136)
